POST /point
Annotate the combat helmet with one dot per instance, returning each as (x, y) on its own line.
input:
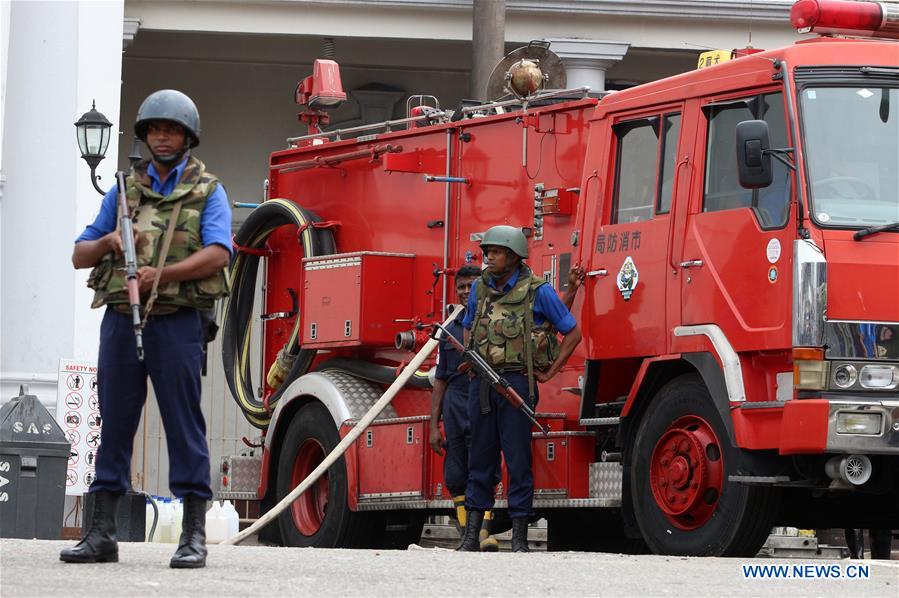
(506, 236)
(169, 104)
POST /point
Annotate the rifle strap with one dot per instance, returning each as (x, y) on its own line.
(529, 343)
(160, 261)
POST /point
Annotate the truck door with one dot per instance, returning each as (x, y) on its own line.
(735, 266)
(627, 264)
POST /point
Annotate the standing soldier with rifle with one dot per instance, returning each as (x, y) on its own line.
(510, 321)
(181, 221)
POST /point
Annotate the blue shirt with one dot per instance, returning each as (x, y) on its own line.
(215, 222)
(547, 306)
(449, 358)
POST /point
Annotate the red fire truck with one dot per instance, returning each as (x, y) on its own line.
(740, 361)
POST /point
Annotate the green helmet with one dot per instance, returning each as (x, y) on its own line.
(506, 236)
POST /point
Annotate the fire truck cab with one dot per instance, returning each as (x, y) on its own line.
(740, 361)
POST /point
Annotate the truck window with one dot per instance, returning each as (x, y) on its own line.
(722, 186)
(671, 127)
(635, 182)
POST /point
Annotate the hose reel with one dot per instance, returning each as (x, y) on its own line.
(293, 360)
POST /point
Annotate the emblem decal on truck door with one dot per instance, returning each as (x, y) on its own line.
(627, 278)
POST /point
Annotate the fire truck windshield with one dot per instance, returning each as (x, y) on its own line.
(851, 139)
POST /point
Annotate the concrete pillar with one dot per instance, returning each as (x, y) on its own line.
(487, 43)
(587, 60)
(61, 56)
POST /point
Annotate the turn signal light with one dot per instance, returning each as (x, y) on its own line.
(810, 371)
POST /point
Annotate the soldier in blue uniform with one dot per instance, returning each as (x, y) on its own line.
(511, 321)
(449, 400)
(188, 275)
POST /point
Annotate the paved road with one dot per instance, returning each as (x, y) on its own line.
(32, 568)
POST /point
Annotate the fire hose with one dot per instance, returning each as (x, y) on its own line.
(293, 360)
(348, 440)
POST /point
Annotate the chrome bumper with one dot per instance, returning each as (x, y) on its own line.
(884, 443)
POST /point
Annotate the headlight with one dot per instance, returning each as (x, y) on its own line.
(845, 375)
(878, 376)
(853, 422)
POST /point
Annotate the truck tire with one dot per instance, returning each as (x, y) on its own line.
(320, 517)
(682, 499)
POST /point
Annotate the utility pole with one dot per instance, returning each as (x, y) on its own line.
(487, 43)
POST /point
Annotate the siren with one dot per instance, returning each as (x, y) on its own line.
(848, 17)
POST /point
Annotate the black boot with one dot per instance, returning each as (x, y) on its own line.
(99, 545)
(191, 553)
(881, 543)
(471, 541)
(520, 534)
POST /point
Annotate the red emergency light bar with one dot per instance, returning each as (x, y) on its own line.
(849, 17)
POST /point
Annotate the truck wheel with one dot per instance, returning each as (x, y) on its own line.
(682, 499)
(320, 517)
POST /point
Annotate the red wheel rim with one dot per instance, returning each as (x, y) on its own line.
(686, 472)
(308, 511)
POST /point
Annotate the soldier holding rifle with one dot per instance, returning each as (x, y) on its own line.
(511, 322)
(181, 223)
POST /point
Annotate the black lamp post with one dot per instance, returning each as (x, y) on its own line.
(93, 139)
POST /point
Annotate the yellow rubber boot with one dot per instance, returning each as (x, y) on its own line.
(488, 542)
(461, 513)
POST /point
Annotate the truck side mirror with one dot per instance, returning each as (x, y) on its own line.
(753, 160)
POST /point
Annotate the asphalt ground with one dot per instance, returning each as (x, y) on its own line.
(32, 568)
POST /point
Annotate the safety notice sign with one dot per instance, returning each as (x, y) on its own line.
(78, 414)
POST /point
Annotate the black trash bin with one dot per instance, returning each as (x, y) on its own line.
(33, 456)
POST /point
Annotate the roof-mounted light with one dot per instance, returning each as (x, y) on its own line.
(848, 17)
(323, 88)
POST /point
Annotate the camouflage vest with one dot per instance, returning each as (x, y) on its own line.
(150, 213)
(504, 320)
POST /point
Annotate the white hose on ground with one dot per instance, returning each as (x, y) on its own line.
(349, 439)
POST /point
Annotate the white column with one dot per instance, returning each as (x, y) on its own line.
(587, 60)
(61, 56)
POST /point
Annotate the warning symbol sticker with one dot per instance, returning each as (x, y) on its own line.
(74, 381)
(73, 400)
(94, 403)
(73, 419)
(91, 458)
(89, 477)
(71, 477)
(93, 420)
(93, 384)
(73, 456)
(73, 437)
(93, 439)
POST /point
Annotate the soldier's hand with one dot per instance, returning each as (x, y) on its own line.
(145, 276)
(576, 276)
(115, 244)
(543, 376)
(436, 440)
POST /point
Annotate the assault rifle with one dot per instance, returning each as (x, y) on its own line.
(499, 384)
(126, 228)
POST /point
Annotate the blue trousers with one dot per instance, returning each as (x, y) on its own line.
(173, 353)
(504, 429)
(458, 436)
